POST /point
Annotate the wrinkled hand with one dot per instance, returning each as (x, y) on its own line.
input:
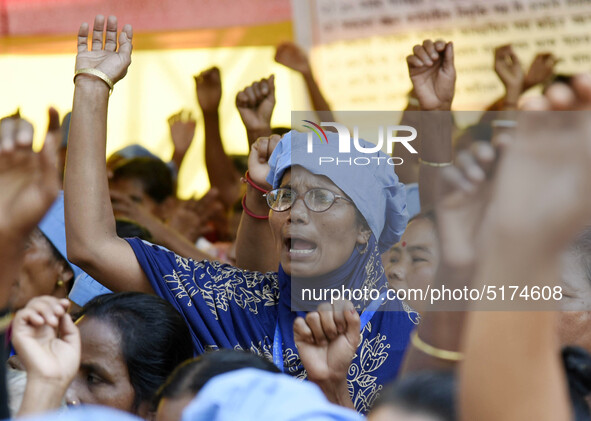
(182, 130)
(433, 74)
(258, 159)
(327, 341)
(540, 71)
(209, 89)
(106, 58)
(255, 104)
(291, 55)
(29, 180)
(47, 340)
(508, 68)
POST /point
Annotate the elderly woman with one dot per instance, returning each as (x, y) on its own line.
(330, 239)
(120, 351)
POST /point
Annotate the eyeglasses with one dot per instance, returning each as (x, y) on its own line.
(317, 200)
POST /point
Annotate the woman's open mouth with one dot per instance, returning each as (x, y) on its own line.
(299, 246)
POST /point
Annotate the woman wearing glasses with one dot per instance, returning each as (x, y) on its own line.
(329, 240)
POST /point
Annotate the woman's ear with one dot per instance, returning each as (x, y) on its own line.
(65, 276)
(364, 234)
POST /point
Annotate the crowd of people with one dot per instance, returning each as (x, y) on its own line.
(121, 300)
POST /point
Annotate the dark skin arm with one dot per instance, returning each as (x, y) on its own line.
(92, 239)
(255, 104)
(255, 248)
(220, 168)
(182, 131)
(255, 245)
(29, 183)
(292, 56)
(433, 75)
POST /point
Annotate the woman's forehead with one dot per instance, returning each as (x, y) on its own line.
(298, 177)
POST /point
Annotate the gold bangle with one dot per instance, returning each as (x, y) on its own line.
(435, 164)
(5, 321)
(95, 72)
(430, 350)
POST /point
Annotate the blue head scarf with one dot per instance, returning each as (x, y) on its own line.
(380, 198)
(251, 394)
(53, 226)
(376, 193)
(373, 187)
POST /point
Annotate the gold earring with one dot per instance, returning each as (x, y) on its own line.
(364, 249)
(60, 283)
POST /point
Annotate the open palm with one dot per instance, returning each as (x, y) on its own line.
(29, 180)
(105, 57)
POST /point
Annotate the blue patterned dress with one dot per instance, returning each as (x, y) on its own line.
(226, 307)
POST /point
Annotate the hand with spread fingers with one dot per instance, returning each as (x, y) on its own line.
(29, 180)
(182, 132)
(327, 341)
(433, 74)
(106, 57)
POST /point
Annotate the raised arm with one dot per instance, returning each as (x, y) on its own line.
(291, 55)
(90, 225)
(29, 183)
(255, 246)
(547, 155)
(509, 70)
(182, 131)
(220, 168)
(459, 210)
(433, 75)
(255, 104)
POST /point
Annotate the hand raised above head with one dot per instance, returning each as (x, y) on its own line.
(255, 104)
(104, 56)
(540, 191)
(182, 130)
(509, 69)
(433, 74)
(209, 89)
(540, 70)
(29, 180)
(291, 55)
(258, 159)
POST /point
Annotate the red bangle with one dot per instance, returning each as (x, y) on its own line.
(252, 183)
(249, 213)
